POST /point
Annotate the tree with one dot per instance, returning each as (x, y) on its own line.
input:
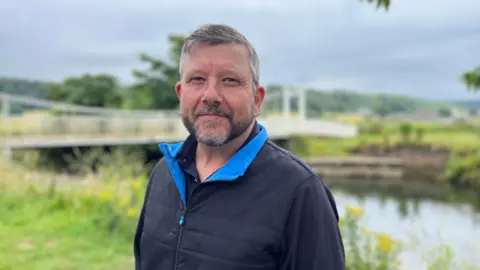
(471, 79)
(385, 4)
(155, 86)
(100, 90)
(444, 112)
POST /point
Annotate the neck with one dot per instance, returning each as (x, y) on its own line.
(217, 156)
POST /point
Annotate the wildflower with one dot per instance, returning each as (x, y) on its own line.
(131, 212)
(105, 196)
(356, 211)
(136, 185)
(385, 242)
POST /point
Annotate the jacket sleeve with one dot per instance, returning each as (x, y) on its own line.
(312, 238)
(139, 230)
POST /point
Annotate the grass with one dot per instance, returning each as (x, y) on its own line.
(52, 225)
(89, 224)
(454, 137)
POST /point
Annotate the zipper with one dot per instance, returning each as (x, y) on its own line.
(180, 222)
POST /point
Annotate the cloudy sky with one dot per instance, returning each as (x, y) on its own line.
(418, 48)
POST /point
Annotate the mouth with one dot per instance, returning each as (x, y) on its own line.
(211, 116)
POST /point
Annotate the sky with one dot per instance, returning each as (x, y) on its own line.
(418, 48)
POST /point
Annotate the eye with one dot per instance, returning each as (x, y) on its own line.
(197, 79)
(230, 80)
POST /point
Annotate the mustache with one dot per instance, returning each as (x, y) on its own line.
(213, 110)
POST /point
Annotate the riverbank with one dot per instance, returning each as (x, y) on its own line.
(429, 152)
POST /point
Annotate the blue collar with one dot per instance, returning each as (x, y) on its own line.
(233, 169)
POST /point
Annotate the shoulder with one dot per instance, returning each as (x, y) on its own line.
(300, 183)
(158, 177)
(283, 165)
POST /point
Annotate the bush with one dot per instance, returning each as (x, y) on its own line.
(463, 171)
(405, 130)
(419, 133)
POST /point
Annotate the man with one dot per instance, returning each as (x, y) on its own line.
(228, 198)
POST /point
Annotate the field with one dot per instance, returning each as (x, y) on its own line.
(457, 137)
(48, 222)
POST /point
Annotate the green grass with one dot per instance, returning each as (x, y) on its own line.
(33, 238)
(454, 137)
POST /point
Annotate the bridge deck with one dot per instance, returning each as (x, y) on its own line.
(65, 131)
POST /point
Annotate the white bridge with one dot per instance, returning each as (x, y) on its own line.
(53, 124)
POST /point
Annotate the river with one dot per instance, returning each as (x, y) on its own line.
(423, 222)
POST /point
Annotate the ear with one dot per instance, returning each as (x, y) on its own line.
(258, 99)
(178, 89)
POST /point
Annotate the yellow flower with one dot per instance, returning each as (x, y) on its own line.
(104, 196)
(356, 211)
(385, 242)
(136, 185)
(131, 212)
(123, 201)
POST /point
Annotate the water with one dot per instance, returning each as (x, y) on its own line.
(425, 223)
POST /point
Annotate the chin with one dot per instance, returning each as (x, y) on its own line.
(216, 123)
(214, 135)
(212, 140)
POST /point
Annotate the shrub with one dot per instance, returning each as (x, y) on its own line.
(406, 131)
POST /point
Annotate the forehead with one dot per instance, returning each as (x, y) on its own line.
(215, 57)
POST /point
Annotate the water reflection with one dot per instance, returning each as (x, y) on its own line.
(422, 216)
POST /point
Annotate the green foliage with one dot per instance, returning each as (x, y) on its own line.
(155, 86)
(419, 133)
(385, 4)
(444, 112)
(406, 130)
(463, 171)
(471, 79)
(372, 126)
(386, 133)
(367, 250)
(101, 90)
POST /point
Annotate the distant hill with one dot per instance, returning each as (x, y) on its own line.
(350, 101)
(22, 87)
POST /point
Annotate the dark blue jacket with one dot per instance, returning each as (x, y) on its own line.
(264, 209)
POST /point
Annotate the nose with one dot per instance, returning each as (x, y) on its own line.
(212, 94)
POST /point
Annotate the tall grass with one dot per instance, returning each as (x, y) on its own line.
(51, 222)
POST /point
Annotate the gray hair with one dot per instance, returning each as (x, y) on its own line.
(217, 34)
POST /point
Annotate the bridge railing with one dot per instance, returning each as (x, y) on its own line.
(18, 127)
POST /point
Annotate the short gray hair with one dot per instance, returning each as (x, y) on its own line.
(217, 34)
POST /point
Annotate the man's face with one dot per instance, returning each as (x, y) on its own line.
(218, 101)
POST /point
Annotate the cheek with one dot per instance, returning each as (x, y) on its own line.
(242, 107)
(188, 103)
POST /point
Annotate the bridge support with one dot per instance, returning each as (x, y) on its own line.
(302, 103)
(301, 95)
